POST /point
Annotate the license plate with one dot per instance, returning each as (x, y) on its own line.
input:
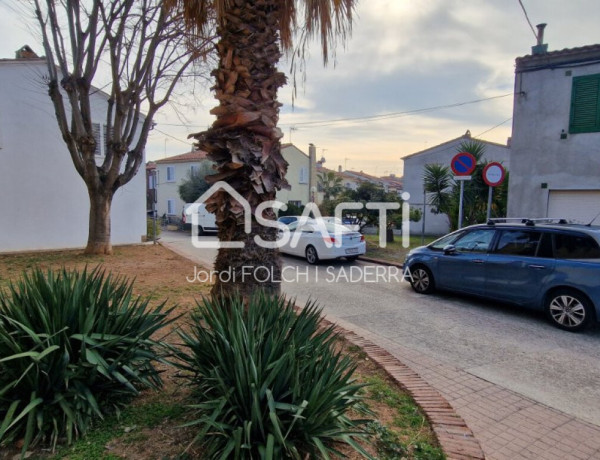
(352, 251)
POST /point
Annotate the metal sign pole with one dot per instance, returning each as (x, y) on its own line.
(460, 204)
(424, 212)
(489, 208)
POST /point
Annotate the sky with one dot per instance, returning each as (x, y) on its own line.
(414, 74)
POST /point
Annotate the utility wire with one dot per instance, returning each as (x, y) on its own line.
(172, 137)
(373, 117)
(493, 127)
(527, 17)
(394, 114)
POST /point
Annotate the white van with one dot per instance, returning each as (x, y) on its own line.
(196, 214)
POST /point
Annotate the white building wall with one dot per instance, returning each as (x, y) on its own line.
(44, 203)
(169, 189)
(542, 162)
(414, 168)
(298, 175)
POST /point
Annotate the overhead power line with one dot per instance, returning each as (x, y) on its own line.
(367, 118)
(527, 17)
(395, 114)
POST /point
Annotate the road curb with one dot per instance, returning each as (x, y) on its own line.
(380, 261)
(456, 439)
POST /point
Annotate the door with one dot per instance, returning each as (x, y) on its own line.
(518, 265)
(580, 206)
(463, 267)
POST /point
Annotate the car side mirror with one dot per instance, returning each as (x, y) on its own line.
(449, 249)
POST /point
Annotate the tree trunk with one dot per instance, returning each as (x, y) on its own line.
(242, 271)
(244, 142)
(99, 231)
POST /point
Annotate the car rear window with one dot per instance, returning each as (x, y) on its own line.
(518, 242)
(575, 246)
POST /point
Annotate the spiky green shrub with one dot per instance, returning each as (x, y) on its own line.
(268, 381)
(73, 346)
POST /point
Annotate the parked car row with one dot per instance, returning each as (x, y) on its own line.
(550, 266)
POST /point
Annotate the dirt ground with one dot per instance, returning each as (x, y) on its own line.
(161, 274)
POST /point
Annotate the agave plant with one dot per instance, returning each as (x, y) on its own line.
(268, 382)
(73, 346)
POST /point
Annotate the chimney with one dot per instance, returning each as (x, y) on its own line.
(540, 48)
(25, 52)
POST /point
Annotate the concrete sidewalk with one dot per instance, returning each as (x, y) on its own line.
(508, 425)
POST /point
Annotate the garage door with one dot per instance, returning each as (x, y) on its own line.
(578, 205)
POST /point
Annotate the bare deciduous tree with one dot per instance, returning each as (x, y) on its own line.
(142, 50)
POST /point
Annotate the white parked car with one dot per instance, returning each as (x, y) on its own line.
(315, 239)
(206, 221)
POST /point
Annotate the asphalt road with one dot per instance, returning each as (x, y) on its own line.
(511, 347)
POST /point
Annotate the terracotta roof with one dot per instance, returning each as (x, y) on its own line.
(560, 57)
(150, 166)
(197, 155)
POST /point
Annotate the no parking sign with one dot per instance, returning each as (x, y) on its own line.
(463, 164)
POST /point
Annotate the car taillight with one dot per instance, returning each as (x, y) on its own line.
(329, 239)
(362, 238)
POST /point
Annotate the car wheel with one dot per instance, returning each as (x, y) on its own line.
(569, 309)
(200, 230)
(421, 279)
(311, 255)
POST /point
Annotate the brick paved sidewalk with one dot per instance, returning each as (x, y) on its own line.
(507, 425)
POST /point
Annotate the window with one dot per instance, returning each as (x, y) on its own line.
(572, 246)
(518, 242)
(170, 173)
(100, 136)
(194, 170)
(295, 203)
(97, 130)
(171, 207)
(152, 181)
(585, 104)
(444, 241)
(303, 179)
(475, 241)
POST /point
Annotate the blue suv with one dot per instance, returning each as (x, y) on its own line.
(535, 263)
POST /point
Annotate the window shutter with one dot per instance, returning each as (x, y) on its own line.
(585, 104)
(105, 137)
(97, 137)
(170, 173)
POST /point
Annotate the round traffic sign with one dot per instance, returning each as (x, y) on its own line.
(463, 164)
(493, 174)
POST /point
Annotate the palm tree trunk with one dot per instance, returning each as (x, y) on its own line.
(244, 141)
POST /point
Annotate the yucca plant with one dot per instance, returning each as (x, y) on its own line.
(268, 382)
(73, 346)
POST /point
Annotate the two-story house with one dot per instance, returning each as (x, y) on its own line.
(170, 173)
(44, 203)
(298, 176)
(555, 154)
